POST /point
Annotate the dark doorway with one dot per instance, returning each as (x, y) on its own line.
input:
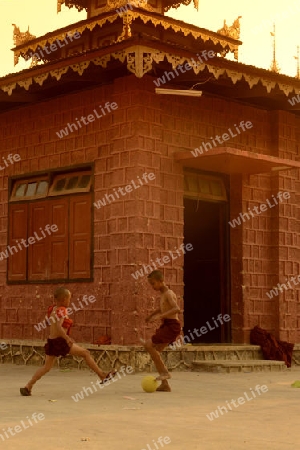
(205, 270)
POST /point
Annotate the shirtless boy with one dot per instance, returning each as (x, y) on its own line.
(59, 343)
(169, 329)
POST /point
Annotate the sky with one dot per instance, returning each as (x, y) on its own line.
(256, 26)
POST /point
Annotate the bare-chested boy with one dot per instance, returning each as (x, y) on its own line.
(169, 329)
(59, 342)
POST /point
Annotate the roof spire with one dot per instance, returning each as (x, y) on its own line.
(298, 68)
(274, 66)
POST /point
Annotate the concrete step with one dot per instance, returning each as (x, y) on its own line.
(228, 366)
(216, 352)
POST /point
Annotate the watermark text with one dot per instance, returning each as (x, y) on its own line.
(109, 198)
(243, 126)
(161, 441)
(259, 209)
(56, 317)
(112, 379)
(31, 240)
(12, 431)
(240, 401)
(200, 331)
(85, 120)
(146, 269)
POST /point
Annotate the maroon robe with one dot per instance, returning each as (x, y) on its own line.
(272, 348)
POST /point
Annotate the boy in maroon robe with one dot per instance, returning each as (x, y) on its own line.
(169, 329)
(60, 343)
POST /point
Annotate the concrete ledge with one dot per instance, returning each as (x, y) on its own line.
(239, 366)
(27, 352)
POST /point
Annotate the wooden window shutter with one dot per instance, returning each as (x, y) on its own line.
(58, 241)
(39, 252)
(80, 236)
(18, 215)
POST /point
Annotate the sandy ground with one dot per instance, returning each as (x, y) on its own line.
(108, 420)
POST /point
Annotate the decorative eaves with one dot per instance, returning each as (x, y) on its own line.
(132, 16)
(83, 4)
(140, 59)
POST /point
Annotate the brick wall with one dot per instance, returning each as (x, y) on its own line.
(31, 132)
(141, 136)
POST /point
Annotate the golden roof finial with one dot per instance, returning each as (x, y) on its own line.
(233, 31)
(20, 37)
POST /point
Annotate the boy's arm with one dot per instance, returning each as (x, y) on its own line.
(173, 307)
(61, 332)
(156, 311)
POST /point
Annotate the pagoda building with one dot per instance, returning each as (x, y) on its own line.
(141, 146)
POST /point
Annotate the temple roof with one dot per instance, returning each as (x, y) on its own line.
(134, 23)
(78, 4)
(85, 4)
(142, 43)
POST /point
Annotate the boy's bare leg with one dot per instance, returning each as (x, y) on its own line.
(49, 361)
(76, 350)
(154, 350)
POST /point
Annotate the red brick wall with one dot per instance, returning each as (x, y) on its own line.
(31, 132)
(141, 136)
(264, 250)
(269, 241)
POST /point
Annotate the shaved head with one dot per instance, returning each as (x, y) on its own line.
(60, 293)
(156, 275)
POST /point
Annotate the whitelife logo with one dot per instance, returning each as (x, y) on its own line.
(275, 291)
(161, 441)
(3, 346)
(241, 400)
(263, 207)
(220, 140)
(166, 259)
(31, 240)
(53, 47)
(292, 101)
(11, 158)
(88, 390)
(55, 318)
(199, 331)
(71, 127)
(205, 55)
(18, 428)
(111, 197)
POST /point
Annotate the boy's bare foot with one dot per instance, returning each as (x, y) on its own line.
(25, 392)
(108, 376)
(163, 377)
(164, 387)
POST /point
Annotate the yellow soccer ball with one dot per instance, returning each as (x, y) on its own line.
(149, 383)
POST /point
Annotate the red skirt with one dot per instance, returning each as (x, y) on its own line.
(167, 332)
(57, 347)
